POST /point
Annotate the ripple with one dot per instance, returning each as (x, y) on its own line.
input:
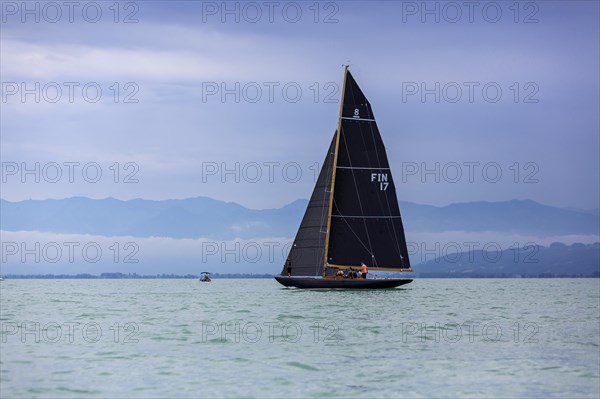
(368, 354)
(302, 366)
(78, 391)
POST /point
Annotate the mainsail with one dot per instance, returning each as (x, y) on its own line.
(362, 222)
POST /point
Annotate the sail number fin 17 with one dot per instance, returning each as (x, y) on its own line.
(382, 179)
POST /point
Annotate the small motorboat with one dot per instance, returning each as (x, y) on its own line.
(205, 277)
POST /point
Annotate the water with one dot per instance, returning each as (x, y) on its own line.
(252, 338)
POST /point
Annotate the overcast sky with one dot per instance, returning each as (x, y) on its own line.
(238, 101)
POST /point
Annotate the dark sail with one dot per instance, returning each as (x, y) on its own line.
(365, 218)
(308, 251)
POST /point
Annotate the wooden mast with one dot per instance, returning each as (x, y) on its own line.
(335, 157)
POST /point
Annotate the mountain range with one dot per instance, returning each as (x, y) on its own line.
(556, 260)
(208, 218)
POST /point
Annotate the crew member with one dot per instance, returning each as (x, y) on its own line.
(363, 270)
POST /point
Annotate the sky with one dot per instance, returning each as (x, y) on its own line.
(238, 101)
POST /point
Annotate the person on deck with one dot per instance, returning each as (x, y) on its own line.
(339, 273)
(363, 270)
(350, 273)
(289, 267)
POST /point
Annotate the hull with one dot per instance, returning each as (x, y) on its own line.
(358, 283)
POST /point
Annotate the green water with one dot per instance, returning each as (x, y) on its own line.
(253, 338)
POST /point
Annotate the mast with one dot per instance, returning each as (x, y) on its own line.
(335, 157)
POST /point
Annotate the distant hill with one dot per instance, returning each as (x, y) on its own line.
(187, 218)
(516, 216)
(208, 218)
(595, 211)
(557, 260)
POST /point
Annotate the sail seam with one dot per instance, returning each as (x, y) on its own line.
(366, 217)
(358, 119)
(387, 202)
(370, 248)
(361, 168)
(355, 184)
(356, 235)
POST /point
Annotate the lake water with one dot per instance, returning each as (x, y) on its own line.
(253, 338)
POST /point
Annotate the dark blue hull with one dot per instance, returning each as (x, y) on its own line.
(357, 283)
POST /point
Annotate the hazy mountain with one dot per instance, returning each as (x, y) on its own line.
(205, 217)
(595, 211)
(516, 216)
(187, 218)
(532, 261)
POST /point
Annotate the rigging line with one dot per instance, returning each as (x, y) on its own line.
(352, 170)
(362, 212)
(389, 209)
(353, 176)
(353, 232)
(371, 116)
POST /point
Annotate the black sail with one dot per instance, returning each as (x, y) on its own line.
(308, 250)
(365, 217)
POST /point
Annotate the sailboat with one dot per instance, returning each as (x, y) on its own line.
(353, 215)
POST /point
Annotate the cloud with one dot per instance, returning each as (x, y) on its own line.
(155, 53)
(170, 54)
(78, 62)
